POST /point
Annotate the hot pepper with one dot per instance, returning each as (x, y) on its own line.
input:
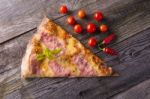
(108, 39)
(109, 51)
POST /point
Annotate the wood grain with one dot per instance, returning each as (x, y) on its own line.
(10, 82)
(18, 17)
(140, 91)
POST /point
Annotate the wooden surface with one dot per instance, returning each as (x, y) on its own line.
(129, 19)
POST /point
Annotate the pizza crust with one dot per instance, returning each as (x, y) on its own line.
(25, 61)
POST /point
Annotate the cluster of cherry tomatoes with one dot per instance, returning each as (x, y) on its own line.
(90, 28)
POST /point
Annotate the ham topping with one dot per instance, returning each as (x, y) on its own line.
(52, 42)
(58, 70)
(34, 64)
(83, 66)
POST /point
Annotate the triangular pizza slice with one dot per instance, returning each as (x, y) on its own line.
(52, 52)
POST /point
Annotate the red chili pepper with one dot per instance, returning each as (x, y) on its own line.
(109, 51)
(108, 39)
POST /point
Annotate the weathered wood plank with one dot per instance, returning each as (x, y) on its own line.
(19, 16)
(140, 91)
(10, 58)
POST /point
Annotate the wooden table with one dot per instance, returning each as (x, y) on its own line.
(129, 19)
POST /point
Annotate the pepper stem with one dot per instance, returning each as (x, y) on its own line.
(100, 48)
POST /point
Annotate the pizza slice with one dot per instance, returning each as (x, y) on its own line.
(52, 52)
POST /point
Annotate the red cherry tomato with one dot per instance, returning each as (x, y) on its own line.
(78, 28)
(63, 9)
(103, 28)
(71, 20)
(92, 42)
(91, 28)
(98, 16)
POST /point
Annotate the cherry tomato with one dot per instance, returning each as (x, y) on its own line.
(81, 14)
(103, 28)
(92, 42)
(91, 28)
(63, 9)
(98, 16)
(78, 28)
(71, 20)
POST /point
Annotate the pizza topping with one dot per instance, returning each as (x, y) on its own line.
(66, 62)
(52, 42)
(34, 64)
(44, 66)
(89, 71)
(63, 35)
(63, 9)
(71, 47)
(58, 70)
(50, 54)
(83, 66)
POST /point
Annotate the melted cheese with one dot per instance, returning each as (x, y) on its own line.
(43, 46)
(66, 62)
(62, 33)
(71, 47)
(93, 64)
(46, 71)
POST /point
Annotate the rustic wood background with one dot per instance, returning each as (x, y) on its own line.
(129, 19)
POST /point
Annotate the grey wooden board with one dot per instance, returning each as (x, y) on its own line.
(18, 16)
(140, 91)
(124, 19)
